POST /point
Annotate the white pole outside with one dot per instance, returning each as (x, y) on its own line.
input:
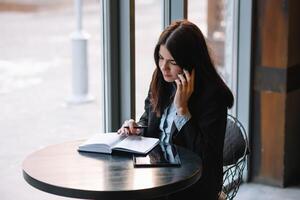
(80, 93)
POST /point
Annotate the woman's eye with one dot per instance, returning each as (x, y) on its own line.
(160, 57)
(173, 63)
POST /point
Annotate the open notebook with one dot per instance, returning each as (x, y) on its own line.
(107, 142)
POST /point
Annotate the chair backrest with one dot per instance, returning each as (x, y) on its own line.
(235, 143)
(235, 150)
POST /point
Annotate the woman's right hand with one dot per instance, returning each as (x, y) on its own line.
(128, 128)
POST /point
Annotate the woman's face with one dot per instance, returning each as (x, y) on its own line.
(167, 65)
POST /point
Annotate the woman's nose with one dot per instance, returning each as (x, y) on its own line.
(164, 65)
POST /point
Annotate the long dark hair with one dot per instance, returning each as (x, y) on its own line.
(187, 45)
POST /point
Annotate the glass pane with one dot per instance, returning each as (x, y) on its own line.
(36, 82)
(217, 20)
(148, 25)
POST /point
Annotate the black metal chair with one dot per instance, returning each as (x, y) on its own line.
(235, 152)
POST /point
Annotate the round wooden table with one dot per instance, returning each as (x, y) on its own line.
(60, 169)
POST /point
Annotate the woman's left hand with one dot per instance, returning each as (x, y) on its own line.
(185, 88)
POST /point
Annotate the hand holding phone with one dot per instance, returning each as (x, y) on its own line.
(185, 88)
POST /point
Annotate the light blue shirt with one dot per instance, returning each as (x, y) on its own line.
(168, 117)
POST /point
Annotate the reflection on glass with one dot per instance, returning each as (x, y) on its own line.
(209, 16)
(217, 20)
(169, 153)
(161, 155)
(148, 25)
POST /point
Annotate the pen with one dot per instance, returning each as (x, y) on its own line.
(139, 127)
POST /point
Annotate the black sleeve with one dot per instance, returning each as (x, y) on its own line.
(145, 116)
(204, 134)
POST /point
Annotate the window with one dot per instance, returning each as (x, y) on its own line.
(36, 82)
(148, 26)
(217, 19)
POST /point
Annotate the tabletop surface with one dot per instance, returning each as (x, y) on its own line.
(60, 169)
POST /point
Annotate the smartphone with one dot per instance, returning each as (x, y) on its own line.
(181, 74)
(189, 69)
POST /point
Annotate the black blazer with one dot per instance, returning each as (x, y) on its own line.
(203, 134)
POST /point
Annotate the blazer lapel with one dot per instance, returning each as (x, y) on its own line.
(153, 129)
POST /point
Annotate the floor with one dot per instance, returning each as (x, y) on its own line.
(35, 88)
(251, 191)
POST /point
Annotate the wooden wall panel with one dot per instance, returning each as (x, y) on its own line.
(272, 136)
(272, 19)
(275, 158)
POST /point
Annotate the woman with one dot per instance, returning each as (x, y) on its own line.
(187, 104)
